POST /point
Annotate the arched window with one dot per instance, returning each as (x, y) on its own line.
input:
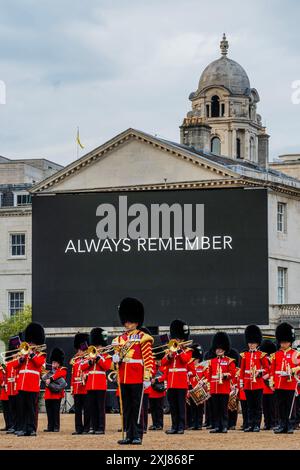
(252, 149)
(207, 110)
(238, 148)
(215, 106)
(215, 146)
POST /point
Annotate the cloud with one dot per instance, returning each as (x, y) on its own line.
(107, 66)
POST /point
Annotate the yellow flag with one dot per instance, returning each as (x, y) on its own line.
(78, 139)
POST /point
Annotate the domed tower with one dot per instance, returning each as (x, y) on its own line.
(223, 119)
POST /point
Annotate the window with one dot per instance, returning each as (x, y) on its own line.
(238, 148)
(252, 149)
(223, 109)
(215, 146)
(15, 302)
(17, 244)
(1, 199)
(282, 286)
(22, 199)
(207, 110)
(215, 106)
(281, 217)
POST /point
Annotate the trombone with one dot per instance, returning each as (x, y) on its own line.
(23, 350)
(173, 346)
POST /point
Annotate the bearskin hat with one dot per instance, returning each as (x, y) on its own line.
(221, 340)
(131, 310)
(285, 332)
(13, 343)
(179, 329)
(34, 333)
(235, 355)
(253, 334)
(98, 337)
(57, 355)
(197, 352)
(268, 346)
(80, 339)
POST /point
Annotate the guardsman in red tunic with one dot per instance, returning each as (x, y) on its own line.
(157, 394)
(4, 397)
(196, 371)
(134, 361)
(78, 385)
(55, 382)
(284, 376)
(29, 367)
(11, 381)
(254, 366)
(221, 371)
(234, 392)
(176, 361)
(269, 408)
(95, 366)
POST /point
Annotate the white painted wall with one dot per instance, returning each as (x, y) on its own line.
(15, 274)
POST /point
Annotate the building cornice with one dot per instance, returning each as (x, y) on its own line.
(15, 211)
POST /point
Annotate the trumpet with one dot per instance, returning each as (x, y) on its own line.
(173, 346)
(253, 374)
(23, 350)
(220, 374)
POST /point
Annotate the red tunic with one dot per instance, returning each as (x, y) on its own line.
(49, 395)
(177, 368)
(11, 378)
(3, 385)
(96, 373)
(221, 371)
(282, 365)
(29, 372)
(78, 377)
(138, 363)
(253, 363)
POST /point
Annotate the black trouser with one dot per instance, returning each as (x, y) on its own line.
(244, 407)
(208, 413)
(195, 415)
(219, 403)
(145, 411)
(27, 403)
(269, 410)
(96, 400)
(53, 414)
(81, 408)
(131, 399)
(232, 418)
(297, 417)
(5, 407)
(284, 402)
(254, 403)
(176, 399)
(157, 411)
(12, 410)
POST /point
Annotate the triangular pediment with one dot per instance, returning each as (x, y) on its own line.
(134, 158)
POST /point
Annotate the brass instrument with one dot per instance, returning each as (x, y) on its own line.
(289, 372)
(220, 374)
(173, 345)
(23, 350)
(253, 374)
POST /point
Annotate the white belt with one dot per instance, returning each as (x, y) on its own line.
(177, 370)
(11, 380)
(133, 361)
(251, 371)
(283, 373)
(27, 371)
(78, 379)
(216, 377)
(97, 372)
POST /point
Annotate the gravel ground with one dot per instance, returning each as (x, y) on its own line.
(153, 440)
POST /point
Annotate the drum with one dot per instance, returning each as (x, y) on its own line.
(233, 402)
(200, 393)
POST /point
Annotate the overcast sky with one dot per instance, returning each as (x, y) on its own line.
(106, 65)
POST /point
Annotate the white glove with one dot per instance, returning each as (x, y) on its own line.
(116, 358)
(146, 384)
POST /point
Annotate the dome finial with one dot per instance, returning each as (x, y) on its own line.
(224, 46)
